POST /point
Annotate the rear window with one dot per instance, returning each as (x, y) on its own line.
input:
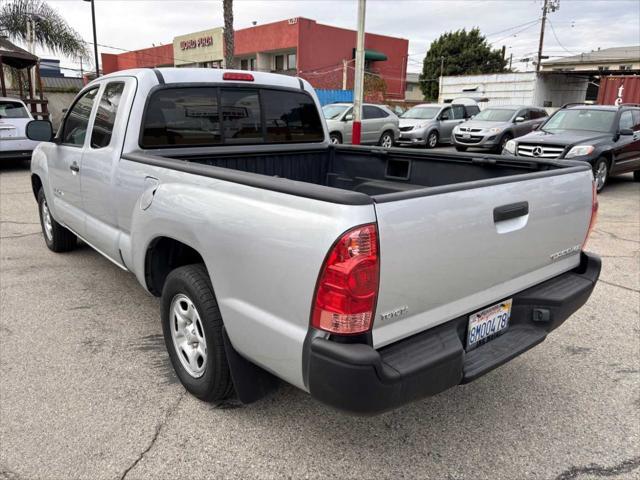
(12, 110)
(207, 116)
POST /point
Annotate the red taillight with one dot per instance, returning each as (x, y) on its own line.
(594, 214)
(347, 287)
(240, 77)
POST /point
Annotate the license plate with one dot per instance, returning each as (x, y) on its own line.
(487, 324)
(466, 135)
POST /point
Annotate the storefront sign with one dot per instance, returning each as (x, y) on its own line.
(196, 42)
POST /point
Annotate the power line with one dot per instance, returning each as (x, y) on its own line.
(553, 30)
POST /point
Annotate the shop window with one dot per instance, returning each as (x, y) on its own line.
(244, 64)
(279, 61)
(252, 64)
(291, 61)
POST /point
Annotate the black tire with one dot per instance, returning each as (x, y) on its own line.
(58, 239)
(503, 141)
(461, 149)
(601, 165)
(636, 176)
(432, 139)
(386, 137)
(193, 281)
(335, 138)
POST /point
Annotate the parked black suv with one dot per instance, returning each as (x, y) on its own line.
(606, 136)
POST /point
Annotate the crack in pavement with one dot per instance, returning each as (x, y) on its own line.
(7, 237)
(619, 286)
(599, 471)
(19, 223)
(155, 435)
(616, 236)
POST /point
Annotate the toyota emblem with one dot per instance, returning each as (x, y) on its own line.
(537, 151)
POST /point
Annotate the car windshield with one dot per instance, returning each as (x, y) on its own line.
(422, 113)
(495, 115)
(581, 119)
(331, 112)
(12, 110)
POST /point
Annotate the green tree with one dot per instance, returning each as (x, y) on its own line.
(51, 30)
(458, 53)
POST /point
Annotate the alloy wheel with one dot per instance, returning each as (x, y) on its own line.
(187, 334)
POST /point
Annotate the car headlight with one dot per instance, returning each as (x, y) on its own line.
(495, 130)
(580, 151)
(510, 146)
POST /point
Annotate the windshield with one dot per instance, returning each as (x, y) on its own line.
(12, 110)
(331, 112)
(495, 115)
(581, 119)
(422, 113)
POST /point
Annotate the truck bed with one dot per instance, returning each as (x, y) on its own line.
(379, 174)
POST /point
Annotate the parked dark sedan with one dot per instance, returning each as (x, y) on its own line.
(606, 136)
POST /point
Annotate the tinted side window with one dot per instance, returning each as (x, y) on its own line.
(369, 112)
(636, 119)
(75, 126)
(458, 112)
(472, 110)
(182, 116)
(291, 117)
(626, 120)
(241, 115)
(106, 115)
(446, 114)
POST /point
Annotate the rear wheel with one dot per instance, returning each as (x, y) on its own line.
(57, 238)
(335, 138)
(601, 173)
(432, 139)
(192, 328)
(386, 140)
(461, 149)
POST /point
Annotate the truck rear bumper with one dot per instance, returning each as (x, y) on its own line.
(359, 379)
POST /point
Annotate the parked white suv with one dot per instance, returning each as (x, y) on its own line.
(14, 117)
(379, 124)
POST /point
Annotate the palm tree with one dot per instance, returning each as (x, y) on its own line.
(51, 30)
(227, 6)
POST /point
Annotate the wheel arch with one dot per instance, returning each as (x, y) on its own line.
(36, 184)
(164, 254)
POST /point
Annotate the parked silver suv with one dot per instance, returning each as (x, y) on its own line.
(428, 124)
(493, 127)
(379, 124)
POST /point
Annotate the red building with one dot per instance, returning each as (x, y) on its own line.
(161, 56)
(322, 54)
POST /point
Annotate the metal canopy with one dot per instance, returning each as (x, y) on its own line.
(15, 56)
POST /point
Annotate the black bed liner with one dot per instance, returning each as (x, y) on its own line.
(360, 175)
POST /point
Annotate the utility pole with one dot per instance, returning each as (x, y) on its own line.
(441, 75)
(510, 60)
(358, 87)
(95, 38)
(549, 5)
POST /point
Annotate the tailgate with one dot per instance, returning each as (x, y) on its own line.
(449, 254)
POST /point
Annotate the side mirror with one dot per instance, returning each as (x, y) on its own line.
(40, 130)
(348, 118)
(626, 131)
(519, 120)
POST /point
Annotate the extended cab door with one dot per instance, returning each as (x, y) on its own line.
(100, 162)
(449, 118)
(65, 162)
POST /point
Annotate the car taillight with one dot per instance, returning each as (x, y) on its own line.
(347, 287)
(242, 77)
(594, 213)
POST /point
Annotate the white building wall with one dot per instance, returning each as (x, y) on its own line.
(521, 88)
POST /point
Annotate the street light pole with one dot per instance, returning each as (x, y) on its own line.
(358, 83)
(95, 38)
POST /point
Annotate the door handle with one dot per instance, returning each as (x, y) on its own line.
(74, 167)
(507, 212)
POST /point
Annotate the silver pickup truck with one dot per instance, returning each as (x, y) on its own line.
(369, 277)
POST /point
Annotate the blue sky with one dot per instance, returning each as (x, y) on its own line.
(579, 25)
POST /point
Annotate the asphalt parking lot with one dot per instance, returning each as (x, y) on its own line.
(87, 390)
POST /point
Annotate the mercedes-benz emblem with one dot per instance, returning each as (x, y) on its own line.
(537, 151)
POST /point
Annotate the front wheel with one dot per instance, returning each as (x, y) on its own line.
(386, 140)
(192, 328)
(57, 238)
(601, 173)
(503, 141)
(335, 138)
(432, 139)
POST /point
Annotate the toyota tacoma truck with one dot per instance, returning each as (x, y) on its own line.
(368, 277)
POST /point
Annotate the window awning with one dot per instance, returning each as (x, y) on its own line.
(372, 55)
